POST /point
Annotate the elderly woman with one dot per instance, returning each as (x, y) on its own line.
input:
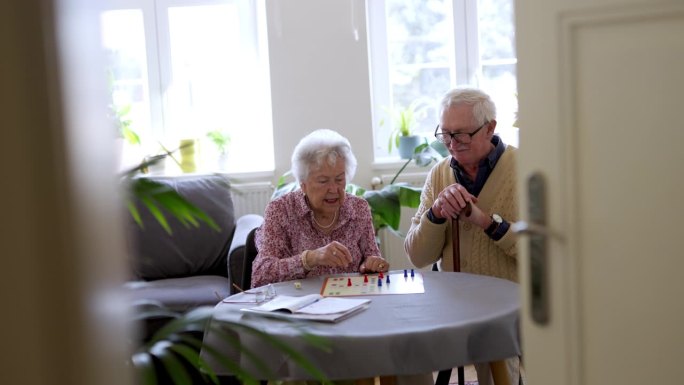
(318, 229)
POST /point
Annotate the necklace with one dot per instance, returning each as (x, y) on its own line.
(320, 225)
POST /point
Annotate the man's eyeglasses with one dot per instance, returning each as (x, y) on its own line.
(460, 137)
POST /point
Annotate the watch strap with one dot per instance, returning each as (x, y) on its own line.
(492, 227)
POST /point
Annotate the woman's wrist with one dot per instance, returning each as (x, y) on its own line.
(305, 263)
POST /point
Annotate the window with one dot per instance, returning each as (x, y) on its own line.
(180, 69)
(419, 49)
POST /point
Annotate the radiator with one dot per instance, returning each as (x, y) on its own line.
(392, 246)
(416, 179)
(251, 198)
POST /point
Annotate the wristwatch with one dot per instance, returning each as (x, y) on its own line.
(496, 222)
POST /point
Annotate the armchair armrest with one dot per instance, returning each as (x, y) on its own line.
(236, 253)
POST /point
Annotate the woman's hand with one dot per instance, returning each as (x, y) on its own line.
(373, 264)
(333, 254)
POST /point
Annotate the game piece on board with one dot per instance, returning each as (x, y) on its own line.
(379, 282)
(412, 274)
(365, 278)
(405, 273)
(349, 282)
(298, 285)
(387, 281)
(381, 276)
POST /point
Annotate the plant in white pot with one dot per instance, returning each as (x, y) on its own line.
(405, 121)
(221, 140)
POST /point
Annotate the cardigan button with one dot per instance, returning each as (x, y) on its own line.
(467, 226)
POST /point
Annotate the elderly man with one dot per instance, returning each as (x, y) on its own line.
(469, 200)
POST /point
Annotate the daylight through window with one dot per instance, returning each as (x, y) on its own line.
(191, 69)
(419, 49)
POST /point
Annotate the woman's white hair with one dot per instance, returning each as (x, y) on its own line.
(320, 146)
(484, 109)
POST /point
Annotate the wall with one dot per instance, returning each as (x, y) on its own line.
(320, 76)
(320, 79)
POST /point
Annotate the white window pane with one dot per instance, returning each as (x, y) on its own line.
(419, 40)
(498, 62)
(123, 39)
(422, 54)
(218, 82)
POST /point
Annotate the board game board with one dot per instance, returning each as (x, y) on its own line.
(407, 282)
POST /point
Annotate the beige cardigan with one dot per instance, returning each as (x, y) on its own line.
(427, 242)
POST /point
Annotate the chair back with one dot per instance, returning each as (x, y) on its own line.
(250, 254)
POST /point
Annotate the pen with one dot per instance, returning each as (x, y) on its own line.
(238, 288)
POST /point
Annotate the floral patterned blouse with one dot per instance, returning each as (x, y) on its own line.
(288, 230)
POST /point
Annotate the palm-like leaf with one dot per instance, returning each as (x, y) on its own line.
(157, 197)
(386, 204)
(175, 349)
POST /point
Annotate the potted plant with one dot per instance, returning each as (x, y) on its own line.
(221, 141)
(403, 135)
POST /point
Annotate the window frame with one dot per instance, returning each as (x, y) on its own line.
(157, 35)
(465, 62)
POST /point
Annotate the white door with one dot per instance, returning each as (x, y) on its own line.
(601, 90)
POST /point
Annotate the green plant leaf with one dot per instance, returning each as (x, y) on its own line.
(283, 187)
(386, 203)
(440, 148)
(231, 366)
(293, 354)
(177, 372)
(156, 196)
(221, 139)
(177, 348)
(144, 363)
(355, 190)
(193, 358)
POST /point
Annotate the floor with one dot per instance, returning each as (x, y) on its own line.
(470, 376)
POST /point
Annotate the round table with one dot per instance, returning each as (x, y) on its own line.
(459, 320)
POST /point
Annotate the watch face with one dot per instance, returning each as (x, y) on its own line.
(497, 218)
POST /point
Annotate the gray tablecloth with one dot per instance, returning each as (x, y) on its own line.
(460, 319)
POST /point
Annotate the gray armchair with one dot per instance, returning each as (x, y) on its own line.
(190, 267)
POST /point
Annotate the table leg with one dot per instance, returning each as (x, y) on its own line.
(499, 373)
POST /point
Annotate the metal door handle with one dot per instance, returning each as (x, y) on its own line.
(538, 235)
(522, 227)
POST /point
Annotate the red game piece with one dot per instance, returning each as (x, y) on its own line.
(381, 276)
(349, 282)
(365, 278)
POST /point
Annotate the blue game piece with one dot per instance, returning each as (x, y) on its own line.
(405, 273)
(388, 281)
(412, 273)
(379, 282)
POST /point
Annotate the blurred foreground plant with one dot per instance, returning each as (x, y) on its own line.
(157, 198)
(173, 352)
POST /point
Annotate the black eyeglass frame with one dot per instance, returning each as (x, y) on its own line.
(456, 135)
